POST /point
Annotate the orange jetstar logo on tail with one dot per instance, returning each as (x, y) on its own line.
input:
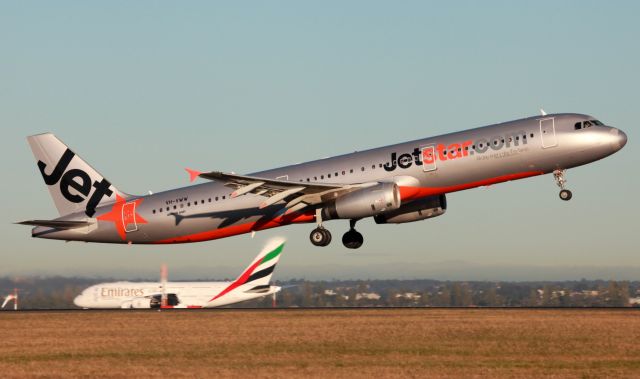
(123, 214)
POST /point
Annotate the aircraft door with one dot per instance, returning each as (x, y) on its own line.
(428, 158)
(129, 217)
(548, 132)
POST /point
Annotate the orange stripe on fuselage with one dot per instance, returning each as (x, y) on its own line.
(413, 193)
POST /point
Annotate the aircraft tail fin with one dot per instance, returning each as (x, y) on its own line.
(258, 274)
(73, 184)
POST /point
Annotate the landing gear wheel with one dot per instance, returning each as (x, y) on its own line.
(352, 239)
(566, 195)
(320, 237)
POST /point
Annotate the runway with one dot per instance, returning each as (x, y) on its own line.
(322, 343)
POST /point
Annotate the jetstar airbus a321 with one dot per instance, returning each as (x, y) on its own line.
(395, 184)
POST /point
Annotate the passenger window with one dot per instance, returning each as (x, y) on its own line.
(343, 172)
(362, 169)
(308, 180)
(154, 211)
(531, 135)
(328, 175)
(351, 171)
(167, 209)
(175, 207)
(188, 204)
(216, 198)
(373, 167)
(224, 197)
(315, 178)
(321, 176)
(209, 199)
(336, 174)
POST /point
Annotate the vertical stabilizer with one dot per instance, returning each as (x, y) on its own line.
(74, 185)
(259, 272)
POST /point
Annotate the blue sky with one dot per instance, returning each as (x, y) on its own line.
(142, 90)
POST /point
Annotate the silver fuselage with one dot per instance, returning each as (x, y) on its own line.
(461, 160)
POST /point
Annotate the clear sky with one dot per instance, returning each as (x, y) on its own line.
(143, 89)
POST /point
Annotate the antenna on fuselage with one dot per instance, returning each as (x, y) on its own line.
(542, 112)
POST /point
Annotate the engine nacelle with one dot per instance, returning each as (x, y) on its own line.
(365, 202)
(416, 210)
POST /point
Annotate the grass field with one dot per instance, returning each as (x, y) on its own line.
(323, 343)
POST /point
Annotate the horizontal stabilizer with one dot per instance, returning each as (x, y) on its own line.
(62, 225)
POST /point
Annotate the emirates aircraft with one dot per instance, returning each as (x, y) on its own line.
(253, 283)
(394, 184)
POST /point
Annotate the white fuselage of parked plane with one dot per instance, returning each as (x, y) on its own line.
(144, 294)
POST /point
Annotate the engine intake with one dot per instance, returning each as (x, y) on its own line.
(365, 202)
(416, 210)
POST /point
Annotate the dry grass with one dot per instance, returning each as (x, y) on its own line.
(323, 343)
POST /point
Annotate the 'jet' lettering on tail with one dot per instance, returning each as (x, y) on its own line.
(77, 180)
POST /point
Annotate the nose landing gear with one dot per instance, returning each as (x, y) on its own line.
(565, 194)
(352, 239)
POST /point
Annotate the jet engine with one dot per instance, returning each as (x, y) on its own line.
(416, 210)
(365, 202)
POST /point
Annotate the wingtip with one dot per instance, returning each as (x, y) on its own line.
(193, 174)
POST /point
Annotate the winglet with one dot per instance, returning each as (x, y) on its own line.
(193, 174)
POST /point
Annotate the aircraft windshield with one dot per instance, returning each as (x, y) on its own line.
(587, 124)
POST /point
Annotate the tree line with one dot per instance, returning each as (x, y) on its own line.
(59, 292)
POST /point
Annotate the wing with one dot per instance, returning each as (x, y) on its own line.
(298, 195)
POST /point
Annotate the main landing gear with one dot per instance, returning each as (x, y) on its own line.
(352, 239)
(320, 236)
(565, 194)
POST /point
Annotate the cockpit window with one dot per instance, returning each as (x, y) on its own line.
(587, 124)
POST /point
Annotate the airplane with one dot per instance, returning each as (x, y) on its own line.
(253, 283)
(395, 184)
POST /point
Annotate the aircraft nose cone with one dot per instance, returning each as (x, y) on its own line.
(79, 301)
(620, 138)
